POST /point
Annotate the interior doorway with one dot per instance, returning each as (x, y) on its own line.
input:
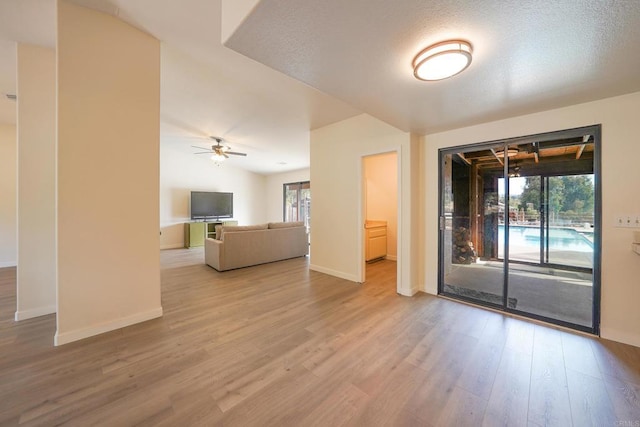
(380, 192)
(520, 226)
(297, 202)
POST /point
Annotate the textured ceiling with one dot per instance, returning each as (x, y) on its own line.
(529, 55)
(206, 89)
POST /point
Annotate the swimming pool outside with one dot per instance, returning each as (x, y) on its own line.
(559, 238)
(566, 245)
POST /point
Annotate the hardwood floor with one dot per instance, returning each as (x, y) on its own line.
(281, 345)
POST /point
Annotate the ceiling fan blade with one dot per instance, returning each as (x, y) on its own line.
(204, 152)
(236, 153)
(201, 148)
(225, 156)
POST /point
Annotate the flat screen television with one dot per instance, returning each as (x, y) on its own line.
(211, 205)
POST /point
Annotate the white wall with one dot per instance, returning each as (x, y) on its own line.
(36, 132)
(275, 194)
(8, 224)
(181, 172)
(234, 13)
(108, 174)
(337, 223)
(381, 182)
(620, 319)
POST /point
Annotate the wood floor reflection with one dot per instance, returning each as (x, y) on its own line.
(281, 345)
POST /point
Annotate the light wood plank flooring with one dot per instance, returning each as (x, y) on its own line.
(281, 345)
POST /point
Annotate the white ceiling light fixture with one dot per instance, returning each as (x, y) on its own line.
(218, 158)
(218, 152)
(442, 60)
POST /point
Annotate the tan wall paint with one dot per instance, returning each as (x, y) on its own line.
(182, 172)
(336, 220)
(234, 12)
(275, 191)
(8, 194)
(381, 179)
(36, 131)
(108, 174)
(620, 318)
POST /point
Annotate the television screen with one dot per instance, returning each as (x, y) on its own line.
(206, 204)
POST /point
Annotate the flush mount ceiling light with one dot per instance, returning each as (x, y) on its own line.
(442, 60)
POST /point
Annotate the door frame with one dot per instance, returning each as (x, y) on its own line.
(284, 197)
(596, 131)
(362, 215)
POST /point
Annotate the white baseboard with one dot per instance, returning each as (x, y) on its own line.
(428, 291)
(34, 312)
(67, 337)
(172, 246)
(391, 257)
(620, 336)
(408, 293)
(340, 274)
(430, 288)
(5, 264)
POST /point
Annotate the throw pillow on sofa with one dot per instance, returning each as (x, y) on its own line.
(286, 224)
(233, 228)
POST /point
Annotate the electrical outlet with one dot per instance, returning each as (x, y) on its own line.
(619, 221)
(628, 221)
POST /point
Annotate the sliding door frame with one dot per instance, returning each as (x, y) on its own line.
(596, 131)
(298, 191)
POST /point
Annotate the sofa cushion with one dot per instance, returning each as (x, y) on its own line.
(285, 224)
(233, 228)
(243, 249)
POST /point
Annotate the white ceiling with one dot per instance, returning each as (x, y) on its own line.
(354, 56)
(529, 55)
(206, 89)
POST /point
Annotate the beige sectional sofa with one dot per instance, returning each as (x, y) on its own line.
(243, 246)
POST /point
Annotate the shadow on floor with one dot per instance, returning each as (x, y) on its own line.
(549, 292)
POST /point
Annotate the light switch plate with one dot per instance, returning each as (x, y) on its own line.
(627, 221)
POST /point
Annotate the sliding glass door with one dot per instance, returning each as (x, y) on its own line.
(472, 210)
(520, 226)
(553, 218)
(297, 202)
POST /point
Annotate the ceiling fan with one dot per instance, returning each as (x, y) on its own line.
(218, 151)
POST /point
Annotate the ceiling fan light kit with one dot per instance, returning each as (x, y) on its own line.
(442, 60)
(218, 152)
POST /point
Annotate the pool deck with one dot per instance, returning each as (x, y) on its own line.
(579, 229)
(568, 258)
(550, 292)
